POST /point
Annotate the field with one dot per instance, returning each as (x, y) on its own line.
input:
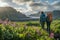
(28, 30)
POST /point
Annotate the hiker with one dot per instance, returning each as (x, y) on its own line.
(48, 21)
(42, 19)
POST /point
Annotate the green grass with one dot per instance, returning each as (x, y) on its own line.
(28, 30)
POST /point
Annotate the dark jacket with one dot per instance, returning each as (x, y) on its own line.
(42, 17)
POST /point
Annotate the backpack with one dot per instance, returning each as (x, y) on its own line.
(49, 17)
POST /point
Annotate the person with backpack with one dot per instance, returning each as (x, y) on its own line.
(48, 21)
(42, 19)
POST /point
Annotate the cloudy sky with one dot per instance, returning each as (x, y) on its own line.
(31, 6)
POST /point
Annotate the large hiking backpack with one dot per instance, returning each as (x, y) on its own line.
(49, 17)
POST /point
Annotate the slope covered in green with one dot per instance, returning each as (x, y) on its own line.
(22, 31)
(10, 13)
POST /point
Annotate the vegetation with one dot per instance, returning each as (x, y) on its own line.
(29, 30)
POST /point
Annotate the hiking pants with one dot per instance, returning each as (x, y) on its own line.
(48, 27)
(42, 24)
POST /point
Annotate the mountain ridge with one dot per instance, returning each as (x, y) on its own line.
(10, 13)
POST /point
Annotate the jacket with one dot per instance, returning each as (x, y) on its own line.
(42, 18)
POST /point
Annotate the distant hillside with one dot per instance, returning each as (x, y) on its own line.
(56, 14)
(35, 15)
(10, 13)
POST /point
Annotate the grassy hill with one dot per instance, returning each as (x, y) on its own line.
(10, 13)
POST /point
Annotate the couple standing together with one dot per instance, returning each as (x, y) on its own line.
(46, 19)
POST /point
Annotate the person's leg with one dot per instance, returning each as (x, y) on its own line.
(48, 27)
(42, 24)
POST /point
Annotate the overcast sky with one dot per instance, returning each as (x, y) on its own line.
(32, 6)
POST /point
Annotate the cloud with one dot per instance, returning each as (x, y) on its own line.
(36, 4)
(11, 3)
(24, 8)
(57, 7)
(3, 4)
(56, 4)
(49, 0)
(39, 8)
(19, 2)
(8, 1)
(31, 6)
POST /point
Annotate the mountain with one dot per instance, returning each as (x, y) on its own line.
(56, 14)
(10, 13)
(35, 15)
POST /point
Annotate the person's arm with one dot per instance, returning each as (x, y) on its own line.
(40, 17)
